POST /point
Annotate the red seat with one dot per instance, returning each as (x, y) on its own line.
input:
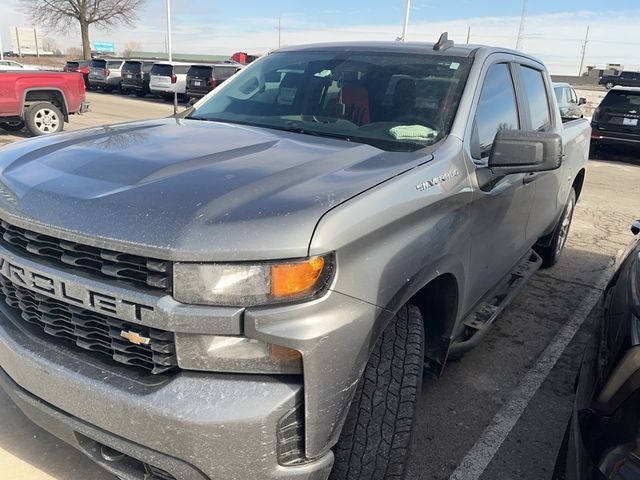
(355, 99)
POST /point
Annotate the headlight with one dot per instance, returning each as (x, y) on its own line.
(247, 284)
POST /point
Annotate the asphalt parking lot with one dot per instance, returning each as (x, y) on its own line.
(498, 413)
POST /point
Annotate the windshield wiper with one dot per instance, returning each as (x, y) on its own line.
(313, 133)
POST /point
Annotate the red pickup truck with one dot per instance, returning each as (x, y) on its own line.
(41, 101)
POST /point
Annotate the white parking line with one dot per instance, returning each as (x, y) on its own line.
(478, 458)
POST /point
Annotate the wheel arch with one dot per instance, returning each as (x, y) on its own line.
(436, 293)
(438, 302)
(578, 182)
(53, 95)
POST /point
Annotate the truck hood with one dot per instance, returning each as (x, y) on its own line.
(188, 190)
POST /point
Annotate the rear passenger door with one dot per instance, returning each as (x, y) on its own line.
(500, 210)
(538, 117)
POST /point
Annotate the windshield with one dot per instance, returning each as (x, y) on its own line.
(396, 102)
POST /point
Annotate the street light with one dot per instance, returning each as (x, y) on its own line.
(405, 28)
(169, 30)
(170, 55)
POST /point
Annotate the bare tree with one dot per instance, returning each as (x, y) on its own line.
(50, 45)
(129, 48)
(62, 14)
(73, 52)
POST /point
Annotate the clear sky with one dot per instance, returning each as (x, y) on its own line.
(554, 30)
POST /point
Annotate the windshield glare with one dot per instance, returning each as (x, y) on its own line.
(396, 102)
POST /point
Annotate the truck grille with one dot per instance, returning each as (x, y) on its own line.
(90, 330)
(107, 263)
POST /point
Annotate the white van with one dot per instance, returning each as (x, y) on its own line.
(168, 77)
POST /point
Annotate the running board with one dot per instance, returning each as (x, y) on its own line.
(478, 322)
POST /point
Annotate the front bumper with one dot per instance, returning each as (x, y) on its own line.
(192, 425)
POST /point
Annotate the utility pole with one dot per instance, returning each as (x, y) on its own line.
(279, 31)
(18, 42)
(584, 51)
(35, 37)
(468, 34)
(405, 28)
(1, 48)
(169, 52)
(523, 16)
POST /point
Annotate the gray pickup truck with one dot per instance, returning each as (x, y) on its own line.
(253, 288)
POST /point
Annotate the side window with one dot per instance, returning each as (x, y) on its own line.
(574, 97)
(497, 108)
(536, 95)
(559, 92)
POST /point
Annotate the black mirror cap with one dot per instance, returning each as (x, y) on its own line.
(515, 151)
(635, 227)
(582, 101)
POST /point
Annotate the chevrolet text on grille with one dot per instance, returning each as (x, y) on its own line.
(73, 294)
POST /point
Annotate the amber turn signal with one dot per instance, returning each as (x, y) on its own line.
(290, 279)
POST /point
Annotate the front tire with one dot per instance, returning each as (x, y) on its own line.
(610, 85)
(551, 254)
(44, 118)
(376, 438)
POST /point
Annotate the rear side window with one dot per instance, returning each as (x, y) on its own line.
(497, 108)
(200, 71)
(536, 94)
(98, 64)
(131, 67)
(162, 69)
(222, 73)
(622, 99)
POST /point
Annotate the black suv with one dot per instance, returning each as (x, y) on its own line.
(617, 118)
(201, 79)
(625, 79)
(135, 77)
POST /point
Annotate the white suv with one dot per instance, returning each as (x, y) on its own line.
(169, 77)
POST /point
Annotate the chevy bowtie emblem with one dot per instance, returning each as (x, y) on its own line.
(135, 338)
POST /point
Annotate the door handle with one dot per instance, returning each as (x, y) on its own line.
(530, 177)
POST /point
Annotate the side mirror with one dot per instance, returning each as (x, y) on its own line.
(515, 151)
(582, 101)
(635, 227)
(192, 102)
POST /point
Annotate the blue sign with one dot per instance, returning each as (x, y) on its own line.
(105, 47)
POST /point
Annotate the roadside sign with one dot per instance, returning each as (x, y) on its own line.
(104, 47)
